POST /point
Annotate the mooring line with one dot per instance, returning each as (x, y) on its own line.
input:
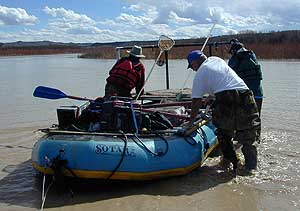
(44, 194)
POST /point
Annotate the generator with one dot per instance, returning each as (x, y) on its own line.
(117, 115)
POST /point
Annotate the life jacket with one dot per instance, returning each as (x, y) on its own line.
(126, 74)
(247, 67)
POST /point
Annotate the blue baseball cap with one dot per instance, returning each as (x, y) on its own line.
(193, 55)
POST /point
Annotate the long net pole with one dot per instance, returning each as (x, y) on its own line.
(208, 36)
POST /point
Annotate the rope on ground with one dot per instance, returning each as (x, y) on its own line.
(44, 193)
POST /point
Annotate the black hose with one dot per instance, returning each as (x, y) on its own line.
(186, 139)
(77, 128)
(167, 145)
(148, 150)
(122, 156)
(202, 134)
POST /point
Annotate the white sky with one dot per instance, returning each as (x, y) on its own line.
(117, 20)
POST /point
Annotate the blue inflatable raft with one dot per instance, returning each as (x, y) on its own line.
(137, 154)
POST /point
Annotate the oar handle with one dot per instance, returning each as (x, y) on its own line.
(158, 105)
(79, 98)
(177, 116)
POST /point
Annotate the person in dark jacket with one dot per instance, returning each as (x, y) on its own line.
(244, 63)
(126, 74)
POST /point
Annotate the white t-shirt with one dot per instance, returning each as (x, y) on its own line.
(214, 76)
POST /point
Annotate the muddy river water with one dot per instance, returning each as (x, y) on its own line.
(275, 186)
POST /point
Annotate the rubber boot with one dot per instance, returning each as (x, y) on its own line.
(258, 138)
(250, 155)
(226, 146)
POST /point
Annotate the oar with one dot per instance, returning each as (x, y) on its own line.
(53, 94)
(158, 105)
(177, 116)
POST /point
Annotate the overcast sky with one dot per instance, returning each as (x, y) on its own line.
(125, 20)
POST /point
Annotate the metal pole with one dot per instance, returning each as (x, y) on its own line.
(210, 54)
(167, 70)
(118, 53)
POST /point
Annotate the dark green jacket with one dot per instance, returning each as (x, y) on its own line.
(245, 64)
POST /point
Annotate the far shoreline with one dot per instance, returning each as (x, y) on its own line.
(78, 56)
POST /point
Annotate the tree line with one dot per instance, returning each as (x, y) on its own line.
(271, 45)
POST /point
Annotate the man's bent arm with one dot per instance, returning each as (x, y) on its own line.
(196, 104)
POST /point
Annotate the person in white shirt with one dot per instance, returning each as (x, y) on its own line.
(234, 111)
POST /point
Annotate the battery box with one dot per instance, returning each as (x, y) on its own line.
(66, 116)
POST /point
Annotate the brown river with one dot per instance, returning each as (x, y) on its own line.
(275, 186)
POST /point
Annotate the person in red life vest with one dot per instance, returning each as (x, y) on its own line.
(126, 74)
